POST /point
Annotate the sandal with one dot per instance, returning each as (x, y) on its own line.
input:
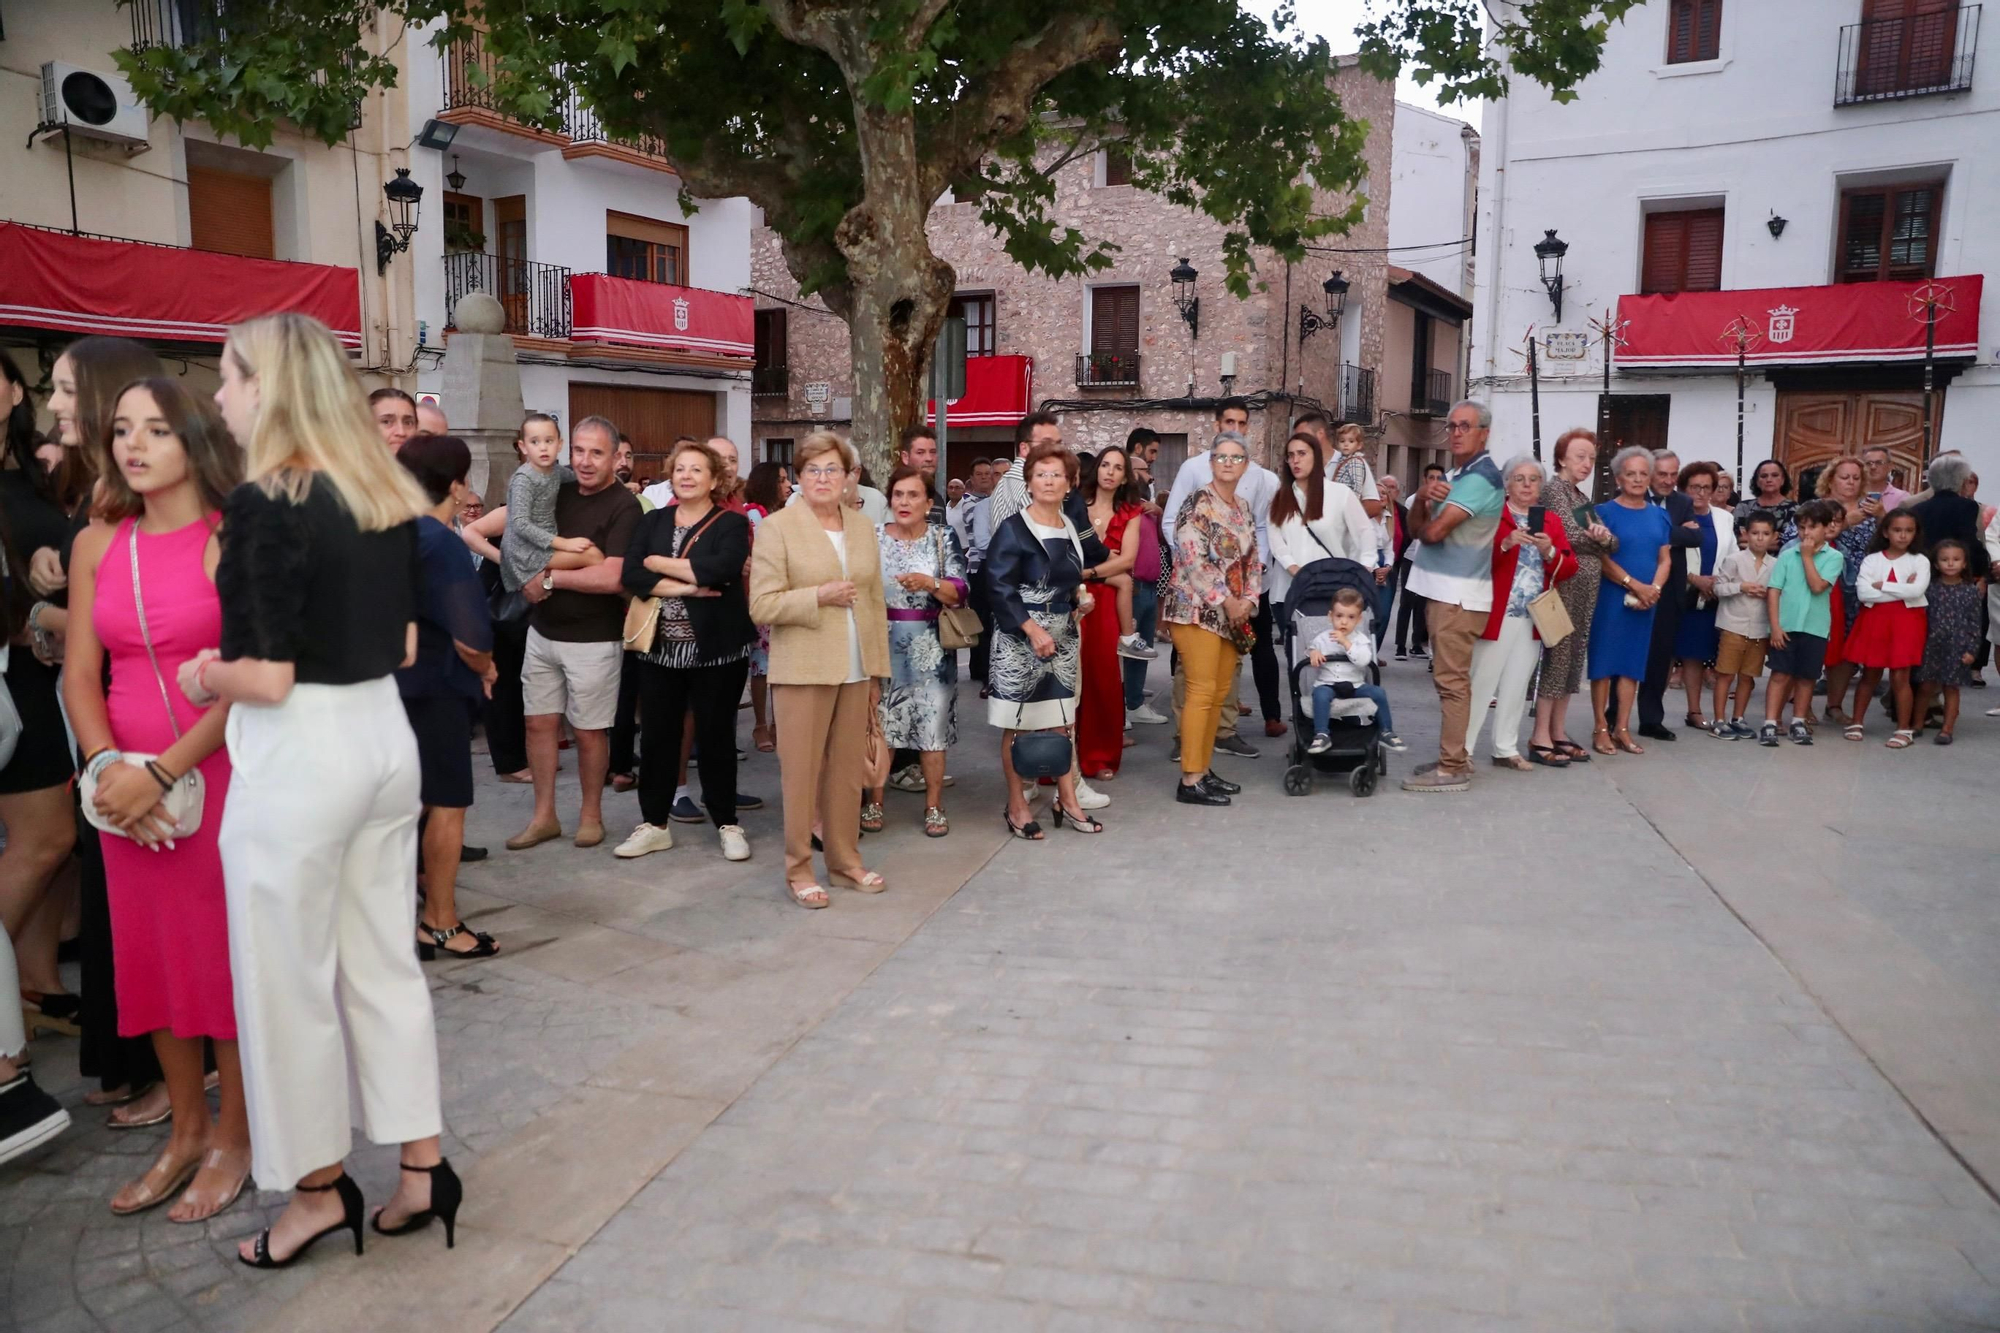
(871, 817)
(765, 739)
(1902, 740)
(1942, 738)
(1852, 731)
(483, 945)
(1081, 823)
(809, 895)
(1623, 740)
(217, 1159)
(935, 824)
(1030, 831)
(1513, 761)
(1105, 775)
(1695, 720)
(162, 1181)
(865, 882)
(1604, 746)
(1548, 756)
(1577, 754)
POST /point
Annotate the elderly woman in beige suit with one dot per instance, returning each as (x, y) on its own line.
(816, 580)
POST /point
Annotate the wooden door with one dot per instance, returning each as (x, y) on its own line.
(651, 418)
(1629, 419)
(510, 221)
(1816, 427)
(1906, 45)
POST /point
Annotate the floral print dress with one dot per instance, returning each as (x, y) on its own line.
(920, 699)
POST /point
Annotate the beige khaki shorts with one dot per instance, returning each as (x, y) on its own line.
(578, 680)
(1738, 656)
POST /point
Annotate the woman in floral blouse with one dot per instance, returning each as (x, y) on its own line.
(1216, 582)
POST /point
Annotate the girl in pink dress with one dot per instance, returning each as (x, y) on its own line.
(166, 470)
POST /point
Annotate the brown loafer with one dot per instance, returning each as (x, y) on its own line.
(588, 835)
(534, 836)
(1513, 761)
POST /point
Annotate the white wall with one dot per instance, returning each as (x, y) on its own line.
(1430, 196)
(1755, 130)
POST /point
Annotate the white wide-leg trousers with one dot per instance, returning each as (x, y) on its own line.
(319, 856)
(1501, 670)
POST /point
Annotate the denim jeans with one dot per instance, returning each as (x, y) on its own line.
(1323, 705)
(1145, 616)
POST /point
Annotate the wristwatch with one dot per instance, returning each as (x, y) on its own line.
(549, 581)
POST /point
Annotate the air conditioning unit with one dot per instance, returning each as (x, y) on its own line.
(96, 106)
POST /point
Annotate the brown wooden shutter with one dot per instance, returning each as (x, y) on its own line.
(230, 213)
(1114, 319)
(1694, 30)
(770, 337)
(1683, 252)
(1704, 252)
(1117, 165)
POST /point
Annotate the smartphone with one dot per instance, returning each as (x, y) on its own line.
(1876, 496)
(1586, 516)
(1537, 516)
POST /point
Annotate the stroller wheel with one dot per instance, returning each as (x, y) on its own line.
(1362, 780)
(1299, 780)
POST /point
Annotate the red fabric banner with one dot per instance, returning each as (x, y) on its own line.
(998, 390)
(80, 284)
(1841, 322)
(656, 314)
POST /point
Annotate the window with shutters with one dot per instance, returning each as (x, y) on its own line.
(980, 331)
(1694, 30)
(1889, 233)
(1683, 252)
(772, 374)
(644, 249)
(1113, 357)
(1902, 47)
(1117, 165)
(230, 213)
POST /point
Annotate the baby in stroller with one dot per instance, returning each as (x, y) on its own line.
(1340, 655)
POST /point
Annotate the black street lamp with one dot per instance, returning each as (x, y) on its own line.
(1550, 251)
(1312, 321)
(1183, 276)
(405, 196)
(455, 178)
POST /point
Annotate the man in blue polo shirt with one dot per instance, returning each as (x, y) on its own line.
(1452, 526)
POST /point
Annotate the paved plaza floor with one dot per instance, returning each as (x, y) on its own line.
(1701, 1040)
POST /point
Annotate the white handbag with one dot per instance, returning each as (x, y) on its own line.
(185, 798)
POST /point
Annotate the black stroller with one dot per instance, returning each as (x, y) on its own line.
(1357, 740)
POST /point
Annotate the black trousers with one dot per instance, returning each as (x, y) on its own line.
(1410, 606)
(666, 694)
(1652, 708)
(1264, 663)
(625, 725)
(984, 610)
(506, 726)
(112, 1060)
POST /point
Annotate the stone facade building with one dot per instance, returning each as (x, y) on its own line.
(1110, 350)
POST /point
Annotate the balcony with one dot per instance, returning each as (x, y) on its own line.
(470, 70)
(1357, 396)
(535, 296)
(1913, 56)
(176, 23)
(1107, 370)
(1430, 394)
(773, 381)
(999, 391)
(1844, 323)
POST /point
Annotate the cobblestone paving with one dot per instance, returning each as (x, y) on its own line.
(1314, 1064)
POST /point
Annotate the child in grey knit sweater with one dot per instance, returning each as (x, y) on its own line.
(531, 544)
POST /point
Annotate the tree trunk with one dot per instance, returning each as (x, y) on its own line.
(897, 289)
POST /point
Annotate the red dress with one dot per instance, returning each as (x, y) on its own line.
(1100, 711)
(1888, 635)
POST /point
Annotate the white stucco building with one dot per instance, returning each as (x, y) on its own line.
(1803, 165)
(1435, 162)
(618, 302)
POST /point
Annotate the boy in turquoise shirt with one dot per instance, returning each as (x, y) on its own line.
(1801, 618)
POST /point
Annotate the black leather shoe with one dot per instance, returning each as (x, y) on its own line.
(1655, 732)
(469, 855)
(1221, 784)
(1198, 794)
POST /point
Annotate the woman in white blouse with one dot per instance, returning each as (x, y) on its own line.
(1314, 518)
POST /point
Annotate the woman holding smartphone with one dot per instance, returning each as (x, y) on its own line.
(1531, 554)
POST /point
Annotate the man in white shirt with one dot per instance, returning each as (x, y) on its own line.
(1257, 489)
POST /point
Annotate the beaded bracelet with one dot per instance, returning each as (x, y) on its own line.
(102, 760)
(158, 772)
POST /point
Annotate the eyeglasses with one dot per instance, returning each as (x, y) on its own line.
(1461, 427)
(1231, 458)
(823, 473)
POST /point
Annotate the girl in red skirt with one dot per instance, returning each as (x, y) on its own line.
(1889, 633)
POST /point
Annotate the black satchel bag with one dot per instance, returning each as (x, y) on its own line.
(1040, 754)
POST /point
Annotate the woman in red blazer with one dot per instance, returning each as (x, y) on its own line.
(1531, 553)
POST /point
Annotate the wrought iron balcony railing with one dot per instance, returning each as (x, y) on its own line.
(771, 381)
(1097, 370)
(1357, 395)
(1912, 56)
(535, 296)
(1432, 396)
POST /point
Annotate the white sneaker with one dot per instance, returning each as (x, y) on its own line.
(1128, 723)
(1147, 715)
(1993, 712)
(735, 847)
(910, 777)
(645, 838)
(1089, 797)
(1131, 645)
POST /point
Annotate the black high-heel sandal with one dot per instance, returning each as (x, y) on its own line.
(1081, 823)
(429, 952)
(350, 1206)
(1030, 831)
(446, 1194)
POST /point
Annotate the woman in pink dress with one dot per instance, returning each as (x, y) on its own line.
(166, 469)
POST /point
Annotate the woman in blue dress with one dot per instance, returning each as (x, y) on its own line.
(1620, 634)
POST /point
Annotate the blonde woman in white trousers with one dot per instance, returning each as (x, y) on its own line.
(318, 583)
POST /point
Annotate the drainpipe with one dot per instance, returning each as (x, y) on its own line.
(1493, 132)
